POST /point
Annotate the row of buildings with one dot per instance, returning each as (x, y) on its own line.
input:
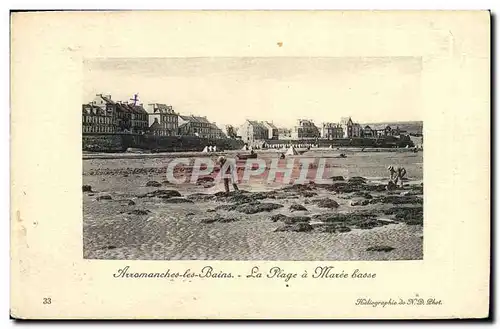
(105, 115)
(252, 131)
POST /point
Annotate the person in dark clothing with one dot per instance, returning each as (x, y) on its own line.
(229, 171)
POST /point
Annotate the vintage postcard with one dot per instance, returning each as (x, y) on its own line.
(250, 165)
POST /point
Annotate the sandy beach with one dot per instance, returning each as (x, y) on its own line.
(125, 216)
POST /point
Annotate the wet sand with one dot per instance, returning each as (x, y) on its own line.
(156, 228)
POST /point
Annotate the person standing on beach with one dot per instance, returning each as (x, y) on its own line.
(229, 171)
(397, 174)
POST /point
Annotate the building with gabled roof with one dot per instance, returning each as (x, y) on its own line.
(97, 119)
(200, 126)
(305, 129)
(165, 116)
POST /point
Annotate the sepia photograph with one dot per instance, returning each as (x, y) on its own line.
(253, 158)
(166, 163)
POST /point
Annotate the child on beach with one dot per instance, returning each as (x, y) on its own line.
(396, 174)
(229, 171)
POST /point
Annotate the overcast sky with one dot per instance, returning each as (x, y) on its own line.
(279, 89)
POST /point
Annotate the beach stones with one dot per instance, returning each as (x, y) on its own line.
(278, 217)
(153, 183)
(370, 223)
(398, 199)
(408, 215)
(365, 195)
(356, 180)
(332, 228)
(218, 219)
(326, 203)
(296, 219)
(177, 200)
(337, 178)
(86, 188)
(104, 197)
(253, 208)
(131, 203)
(161, 194)
(380, 248)
(297, 227)
(359, 202)
(204, 180)
(297, 207)
(200, 197)
(139, 212)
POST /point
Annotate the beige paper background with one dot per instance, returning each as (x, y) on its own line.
(46, 169)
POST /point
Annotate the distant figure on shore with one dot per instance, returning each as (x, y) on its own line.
(282, 156)
(396, 175)
(342, 155)
(230, 171)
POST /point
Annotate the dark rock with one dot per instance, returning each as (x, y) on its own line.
(356, 180)
(110, 247)
(278, 217)
(91, 194)
(177, 200)
(223, 194)
(227, 207)
(398, 199)
(333, 228)
(343, 229)
(153, 183)
(308, 194)
(297, 207)
(190, 214)
(218, 219)
(326, 203)
(208, 220)
(126, 175)
(253, 208)
(131, 203)
(299, 187)
(210, 210)
(86, 188)
(360, 202)
(409, 215)
(204, 179)
(104, 197)
(139, 212)
(361, 194)
(337, 178)
(161, 194)
(225, 220)
(380, 248)
(296, 219)
(297, 227)
(355, 219)
(200, 197)
(370, 223)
